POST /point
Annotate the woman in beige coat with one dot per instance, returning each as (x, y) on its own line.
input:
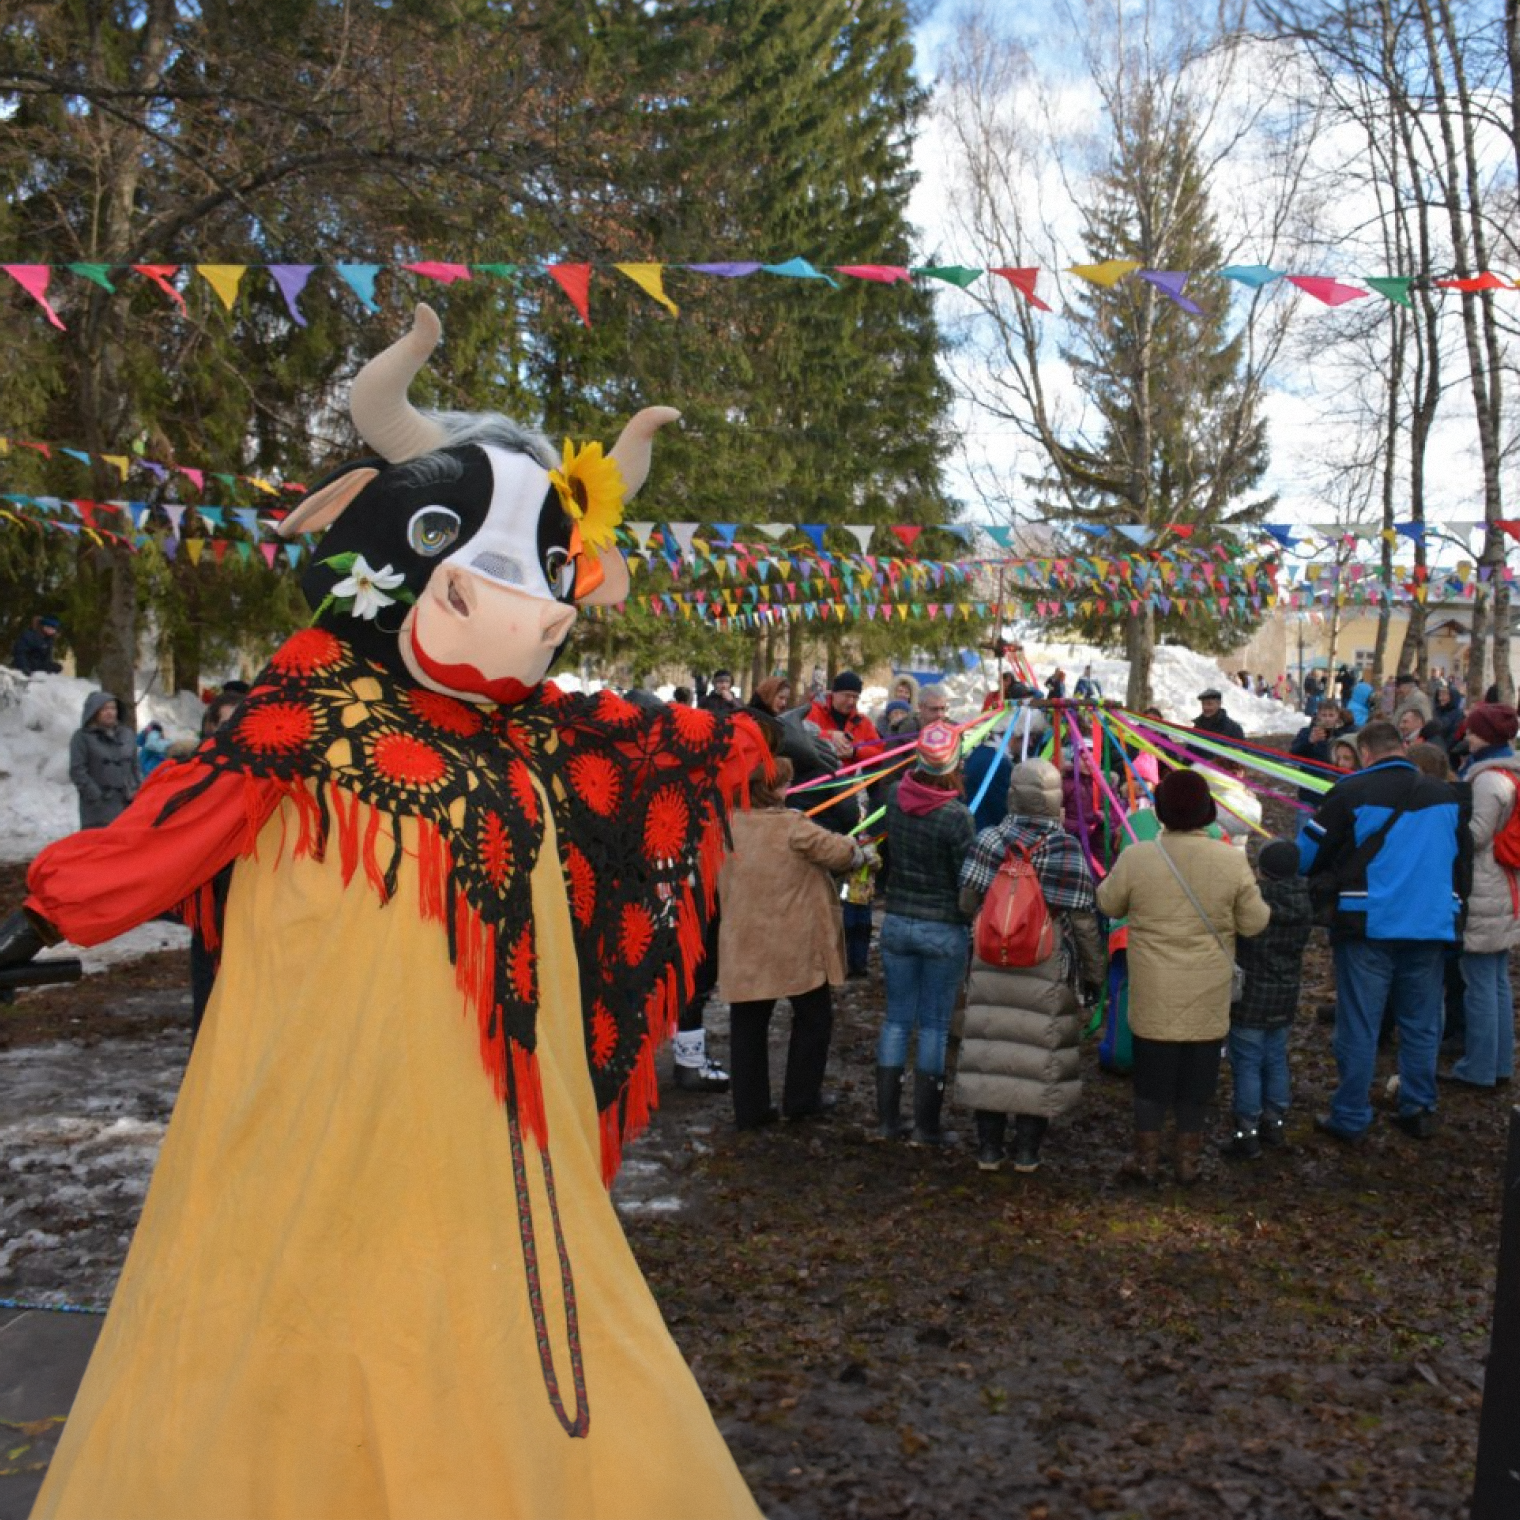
(1180, 967)
(782, 936)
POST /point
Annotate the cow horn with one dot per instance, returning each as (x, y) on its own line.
(631, 451)
(386, 420)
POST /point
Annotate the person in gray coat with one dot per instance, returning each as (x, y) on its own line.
(1019, 1050)
(103, 761)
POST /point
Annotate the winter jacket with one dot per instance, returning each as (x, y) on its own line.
(868, 743)
(1273, 961)
(102, 765)
(32, 653)
(1220, 723)
(926, 853)
(782, 931)
(1413, 700)
(811, 757)
(994, 804)
(1415, 886)
(1493, 906)
(1179, 976)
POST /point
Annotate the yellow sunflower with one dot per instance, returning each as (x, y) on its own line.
(590, 487)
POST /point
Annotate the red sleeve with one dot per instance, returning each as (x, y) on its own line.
(868, 743)
(99, 883)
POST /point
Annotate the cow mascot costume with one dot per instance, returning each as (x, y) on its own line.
(378, 1272)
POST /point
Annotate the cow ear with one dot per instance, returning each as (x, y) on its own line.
(326, 504)
(613, 587)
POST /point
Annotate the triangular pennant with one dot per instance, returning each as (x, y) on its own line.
(575, 281)
(1470, 286)
(445, 274)
(882, 274)
(907, 532)
(1023, 281)
(952, 274)
(292, 554)
(292, 278)
(1253, 275)
(33, 279)
(861, 532)
(1107, 274)
(1170, 282)
(118, 462)
(160, 275)
(731, 271)
(815, 532)
(799, 269)
(640, 531)
(776, 531)
(98, 274)
(197, 478)
(360, 278)
(224, 279)
(501, 271)
(195, 547)
(651, 280)
(1395, 287)
(269, 551)
(685, 535)
(1323, 288)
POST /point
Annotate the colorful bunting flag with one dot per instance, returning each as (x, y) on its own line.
(33, 279)
(1107, 274)
(1023, 281)
(575, 281)
(1324, 288)
(650, 280)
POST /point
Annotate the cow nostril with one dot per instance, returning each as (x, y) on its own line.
(456, 601)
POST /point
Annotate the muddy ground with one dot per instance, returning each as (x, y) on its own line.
(884, 1331)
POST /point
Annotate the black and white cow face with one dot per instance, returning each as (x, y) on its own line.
(457, 560)
(461, 564)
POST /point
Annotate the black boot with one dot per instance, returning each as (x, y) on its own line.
(991, 1129)
(928, 1098)
(889, 1085)
(1028, 1132)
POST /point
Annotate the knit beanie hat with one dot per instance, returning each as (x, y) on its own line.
(1493, 722)
(1278, 859)
(939, 750)
(847, 680)
(1183, 801)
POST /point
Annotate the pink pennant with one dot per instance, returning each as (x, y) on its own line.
(1325, 289)
(575, 281)
(197, 478)
(269, 551)
(883, 274)
(33, 279)
(161, 274)
(1022, 281)
(445, 274)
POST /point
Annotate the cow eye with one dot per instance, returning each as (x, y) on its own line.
(432, 530)
(559, 571)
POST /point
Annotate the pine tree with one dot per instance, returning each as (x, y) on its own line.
(1182, 441)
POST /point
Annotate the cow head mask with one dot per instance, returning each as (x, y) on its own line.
(465, 549)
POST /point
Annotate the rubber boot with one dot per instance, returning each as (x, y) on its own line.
(1143, 1163)
(1189, 1157)
(1028, 1132)
(991, 1130)
(693, 1071)
(889, 1086)
(928, 1098)
(1245, 1144)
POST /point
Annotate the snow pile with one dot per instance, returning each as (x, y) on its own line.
(38, 715)
(1177, 676)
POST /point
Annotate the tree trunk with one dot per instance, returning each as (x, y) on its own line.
(1140, 651)
(794, 659)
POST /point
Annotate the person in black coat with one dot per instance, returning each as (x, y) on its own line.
(1213, 719)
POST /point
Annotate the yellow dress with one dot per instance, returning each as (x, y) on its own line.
(324, 1313)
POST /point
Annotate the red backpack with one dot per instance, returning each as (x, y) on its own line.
(1014, 927)
(1507, 843)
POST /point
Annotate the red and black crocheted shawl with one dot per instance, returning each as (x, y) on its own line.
(639, 798)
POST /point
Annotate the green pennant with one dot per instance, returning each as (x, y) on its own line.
(951, 274)
(99, 273)
(1395, 287)
(503, 271)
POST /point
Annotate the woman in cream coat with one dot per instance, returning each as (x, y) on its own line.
(1180, 967)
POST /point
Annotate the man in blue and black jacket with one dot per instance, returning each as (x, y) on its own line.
(1390, 849)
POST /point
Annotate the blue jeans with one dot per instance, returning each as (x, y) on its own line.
(1489, 1049)
(1259, 1063)
(924, 963)
(1369, 974)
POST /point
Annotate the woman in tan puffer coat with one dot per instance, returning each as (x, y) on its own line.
(1019, 1052)
(1180, 967)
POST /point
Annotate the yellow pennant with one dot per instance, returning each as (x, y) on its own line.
(195, 547)
(118, 462)
(650, 278)
(1108, 273)
(224, 279)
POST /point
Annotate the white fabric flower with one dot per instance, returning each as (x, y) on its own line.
(368, 587)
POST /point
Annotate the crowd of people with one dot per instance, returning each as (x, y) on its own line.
(1404, 860)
